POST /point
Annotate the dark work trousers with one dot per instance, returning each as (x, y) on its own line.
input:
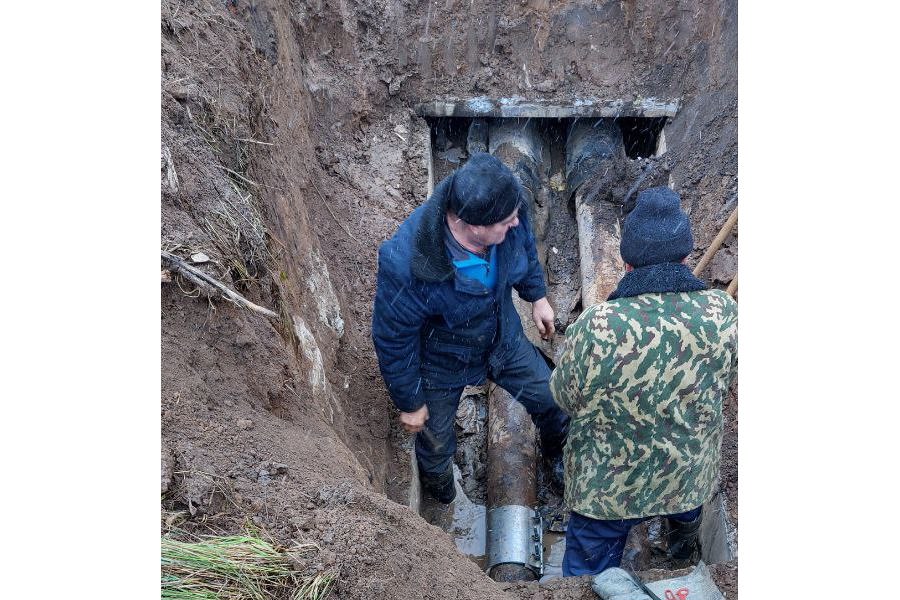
(526, 377)
(594, 545)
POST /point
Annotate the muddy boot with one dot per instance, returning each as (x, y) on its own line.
(441, 487)
(684, 542)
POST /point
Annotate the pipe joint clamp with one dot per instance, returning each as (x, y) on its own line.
(515, 535)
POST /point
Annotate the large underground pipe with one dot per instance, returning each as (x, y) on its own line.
(514, 543)
(518, 143)
(514, 537)
(591, 148)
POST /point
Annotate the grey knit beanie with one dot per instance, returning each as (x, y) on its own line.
(657, 230)
(484, 191)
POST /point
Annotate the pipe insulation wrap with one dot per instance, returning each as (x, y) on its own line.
(588, 145)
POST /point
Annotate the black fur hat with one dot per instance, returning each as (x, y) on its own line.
(484, 191)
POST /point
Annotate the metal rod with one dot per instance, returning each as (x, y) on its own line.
(511, 482)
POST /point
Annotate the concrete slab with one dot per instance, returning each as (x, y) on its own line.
(518, 107)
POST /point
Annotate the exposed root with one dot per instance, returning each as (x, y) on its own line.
(210, 285)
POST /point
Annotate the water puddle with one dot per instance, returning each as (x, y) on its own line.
(464, 520)
(469, 524)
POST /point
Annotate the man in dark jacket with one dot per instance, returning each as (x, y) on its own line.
(444, 316)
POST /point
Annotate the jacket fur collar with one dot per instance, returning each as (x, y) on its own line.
(429, 258)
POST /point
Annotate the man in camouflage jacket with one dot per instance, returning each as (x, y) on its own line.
(643, 378)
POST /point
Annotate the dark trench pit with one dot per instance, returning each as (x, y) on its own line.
(538, 157)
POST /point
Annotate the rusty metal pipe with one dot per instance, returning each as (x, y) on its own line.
(599, 236)
(591, 146)
(514, 539)
(518, 143)
(514, 533)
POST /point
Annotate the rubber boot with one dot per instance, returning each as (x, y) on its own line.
(441, 486)
(684, 542)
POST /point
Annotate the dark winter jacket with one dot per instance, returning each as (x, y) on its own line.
(434, 327)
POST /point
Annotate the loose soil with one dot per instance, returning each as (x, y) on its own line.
(289, 151)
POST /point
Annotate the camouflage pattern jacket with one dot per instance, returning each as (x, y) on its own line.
(643, 379)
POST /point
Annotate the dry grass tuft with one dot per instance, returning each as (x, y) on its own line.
(241, 567)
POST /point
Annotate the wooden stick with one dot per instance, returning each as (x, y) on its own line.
(732, 287)
(716, 243)
(210, 285)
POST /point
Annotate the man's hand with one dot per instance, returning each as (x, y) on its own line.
(414, 422)
(542, 313)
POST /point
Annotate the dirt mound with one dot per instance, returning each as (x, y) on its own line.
(289, 151)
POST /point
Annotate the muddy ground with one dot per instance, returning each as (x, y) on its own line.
(289, 150)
